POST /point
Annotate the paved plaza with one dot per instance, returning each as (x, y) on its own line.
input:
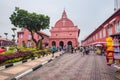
(20, 69)
(74, 67)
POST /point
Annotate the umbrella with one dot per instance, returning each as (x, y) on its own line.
(98, 45)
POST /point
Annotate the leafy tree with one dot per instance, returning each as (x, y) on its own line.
(33, 22)
(6, 35)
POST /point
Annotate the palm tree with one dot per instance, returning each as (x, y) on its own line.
(13, 37)
(6, 35)
(13, 29)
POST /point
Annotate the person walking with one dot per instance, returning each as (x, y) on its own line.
(72, 50)
(53, 50)
(82, 51)
(75, 49)
(64, 48)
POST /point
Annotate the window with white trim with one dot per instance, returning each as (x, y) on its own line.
(100, 34)
(110, 30)
(96, 36)
(117, 26)
(29, 36)
(29, 44)
(21, 35)
(104, 32)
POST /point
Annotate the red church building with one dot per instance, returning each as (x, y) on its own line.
(109, 27)
(4, 42)
(64, 33)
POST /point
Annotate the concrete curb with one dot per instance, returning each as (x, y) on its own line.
(35, 68)
(23, 61)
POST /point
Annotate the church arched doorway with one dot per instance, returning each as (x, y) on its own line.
(53, 43)
(69, 46)
(69, 43)
(61, 44)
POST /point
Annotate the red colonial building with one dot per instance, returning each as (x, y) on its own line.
(25, 36)
(109, 27)
(64, 32)
(5, 42)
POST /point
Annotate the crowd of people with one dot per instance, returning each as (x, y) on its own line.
(84, 50)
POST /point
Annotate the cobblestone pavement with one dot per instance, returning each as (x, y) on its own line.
(74, 67)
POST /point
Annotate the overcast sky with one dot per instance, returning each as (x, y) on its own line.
(86, 14)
